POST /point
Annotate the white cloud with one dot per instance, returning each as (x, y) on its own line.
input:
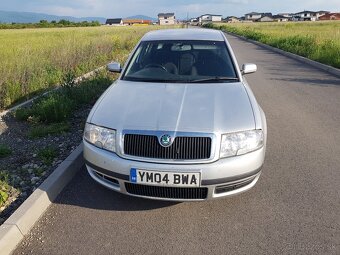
(123, 8)
(58, 10)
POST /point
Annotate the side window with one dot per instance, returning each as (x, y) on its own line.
(139, 57)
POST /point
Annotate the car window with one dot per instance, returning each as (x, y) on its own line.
(181, 61)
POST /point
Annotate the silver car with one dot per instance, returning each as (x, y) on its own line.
(180, 123)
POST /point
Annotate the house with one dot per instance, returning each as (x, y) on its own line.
(256, 16)
(286, 14)
(231, 19)
(281, 18)
(252, 16)
(166, 19)
(308, 15)
(265, 19)
(305, 16)
(295, 18)
(114, 22)
(330, 16)
(210, 18)
(321, 13)
(131, 22)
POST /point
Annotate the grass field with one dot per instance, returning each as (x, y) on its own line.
(34, 60)
(319, 41)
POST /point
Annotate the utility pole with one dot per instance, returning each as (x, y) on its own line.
(187, 19)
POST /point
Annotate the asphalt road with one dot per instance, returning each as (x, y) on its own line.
(293, 209)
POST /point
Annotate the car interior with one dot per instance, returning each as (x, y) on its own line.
(182, 60)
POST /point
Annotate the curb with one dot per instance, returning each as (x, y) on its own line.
(13, 230)
(77, 80)
(328, 69)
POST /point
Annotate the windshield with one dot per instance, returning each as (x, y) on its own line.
(181, 61)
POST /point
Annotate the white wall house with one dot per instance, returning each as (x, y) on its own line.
(231, 19)
(321, 13)
(308, 15)
(265, 19)
(253, 16)
(210, 18)
(285, 14)
(166, 19)
(305, 16)
(281, 18)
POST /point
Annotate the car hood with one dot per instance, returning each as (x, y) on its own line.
(211, 108)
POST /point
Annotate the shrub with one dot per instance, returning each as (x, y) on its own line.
(23, 113)
(4, 187)
(4, 151)
(52, 129)
(58, 106)
(55, 107)
(69, 80)
(89, 91)
(3, 194)
(48, 154)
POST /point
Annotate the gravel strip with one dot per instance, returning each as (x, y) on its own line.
(25, 169)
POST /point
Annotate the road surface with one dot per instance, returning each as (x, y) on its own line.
(293, 209)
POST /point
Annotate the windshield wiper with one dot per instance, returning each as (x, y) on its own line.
(215, 79)
(148, 80)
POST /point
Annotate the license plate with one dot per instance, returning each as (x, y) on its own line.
(165, 178)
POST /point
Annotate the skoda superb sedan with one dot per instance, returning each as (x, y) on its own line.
(180, 123)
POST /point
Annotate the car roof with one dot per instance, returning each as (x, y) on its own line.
(184, 34)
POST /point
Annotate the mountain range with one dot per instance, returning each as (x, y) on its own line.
(142, 17)
(32, 17)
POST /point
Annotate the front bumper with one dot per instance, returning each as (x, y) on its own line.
(224, 177)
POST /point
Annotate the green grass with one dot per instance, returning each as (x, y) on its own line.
(89, 90)
(35, 60)
(39, 171)
(4, 187)
(4, 151)
(41, 130)
(58, 106)
(23, 113)
(48, 154)
(53, 108)
(319, 41)
(46, 24)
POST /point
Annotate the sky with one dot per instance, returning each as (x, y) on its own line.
(194, 8)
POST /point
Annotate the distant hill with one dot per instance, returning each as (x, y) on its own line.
(141, 17)
(32, 17)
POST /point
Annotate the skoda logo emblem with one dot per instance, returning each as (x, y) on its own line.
(165, 140)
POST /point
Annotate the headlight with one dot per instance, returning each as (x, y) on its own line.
(241, 143)
(101, 137)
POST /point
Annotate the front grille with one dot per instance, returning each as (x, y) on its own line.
(147, 146)
(233, 186)
(166, 192)
(106, 178)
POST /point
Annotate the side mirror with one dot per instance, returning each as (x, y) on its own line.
(114, 67)
(248, 68)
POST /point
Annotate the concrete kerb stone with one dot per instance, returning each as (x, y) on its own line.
(13, 230)
(23, 219)
(326, 68)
